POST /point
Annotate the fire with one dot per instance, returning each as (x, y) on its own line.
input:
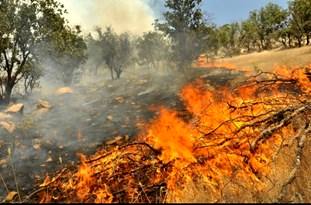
(173, 136)
(232, 138)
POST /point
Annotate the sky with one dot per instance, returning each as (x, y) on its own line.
(137, 16)
(228, 11)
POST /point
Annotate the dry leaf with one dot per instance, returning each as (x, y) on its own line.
(49, 159)
(11, 195)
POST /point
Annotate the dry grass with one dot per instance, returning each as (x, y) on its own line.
(266, 60)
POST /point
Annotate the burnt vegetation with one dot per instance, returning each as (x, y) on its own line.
(120, 117)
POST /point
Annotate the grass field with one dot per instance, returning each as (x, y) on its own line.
(266, 60)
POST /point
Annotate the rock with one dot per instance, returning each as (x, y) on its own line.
(43, 104)
(64, 90)
(109, 117)
(4, 116)
(8, 126)
(15, 108)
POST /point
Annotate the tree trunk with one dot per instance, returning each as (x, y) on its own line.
(118, 72)
(289, 40)
(299, 42)
(308, 39)
(111, 73)
(8, 92)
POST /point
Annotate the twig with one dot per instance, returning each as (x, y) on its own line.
(54, 179)
(157, 152)
(268, 132)
(6, 187)
(303, 136)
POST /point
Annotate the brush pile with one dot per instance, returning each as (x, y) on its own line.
(242, 144)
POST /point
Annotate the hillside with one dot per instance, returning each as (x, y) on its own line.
(265, 60)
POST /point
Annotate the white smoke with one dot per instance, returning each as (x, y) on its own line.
(133, 16)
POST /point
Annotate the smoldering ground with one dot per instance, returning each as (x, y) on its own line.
(80, 121)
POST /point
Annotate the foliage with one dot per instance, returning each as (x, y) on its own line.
(184, 24)
(300, 12)
(25, 28)
(116, 50)
(152, 48)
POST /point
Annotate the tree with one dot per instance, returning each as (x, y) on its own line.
(228, 35)
(67, 51)
(211, 40)
(94, 51)
(124, 54)
(300, 24)
(268, 20)
(116, 51)
(184, 24)
(25, 27)
(152, 48)
(248, 36)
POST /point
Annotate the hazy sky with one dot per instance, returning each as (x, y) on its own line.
(137, 16)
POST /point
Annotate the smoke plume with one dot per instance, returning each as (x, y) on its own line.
(135, 16)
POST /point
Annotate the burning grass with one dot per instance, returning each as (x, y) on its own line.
(227, 152)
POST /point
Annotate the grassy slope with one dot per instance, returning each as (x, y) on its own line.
(268, 59)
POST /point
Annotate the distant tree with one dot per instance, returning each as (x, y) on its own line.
(268, 20)
(124, 53)
(94, 51)
(185, 25)
(228, 35)
(211, 40)
(67, 50)
(152, 48)
(116, 51)
(300, 24)
(248, 36)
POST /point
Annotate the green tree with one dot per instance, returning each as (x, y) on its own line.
(94, 51)
(228, 35)
(248, 36)
(268, 20)
(300, 24)
(67, 51)
(116, 51)
(152, 48)
(211, 40)
(25, 26)
(185, 25)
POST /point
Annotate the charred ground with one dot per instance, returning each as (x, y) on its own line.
(81, 122)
